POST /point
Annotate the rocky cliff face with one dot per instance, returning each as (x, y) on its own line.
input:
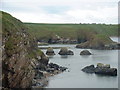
(19, 54)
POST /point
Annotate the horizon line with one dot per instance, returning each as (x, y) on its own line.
(73, 23)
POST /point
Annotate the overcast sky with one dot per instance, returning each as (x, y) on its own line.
(63, 11)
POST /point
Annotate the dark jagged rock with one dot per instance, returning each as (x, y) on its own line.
(85, 52)
(65, 51)
(50, 51)
(101, 69)
(52, 67)
(106, 71)
(89, 69)
(38, 74)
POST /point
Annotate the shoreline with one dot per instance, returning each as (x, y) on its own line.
(42, 82)
(45, 80)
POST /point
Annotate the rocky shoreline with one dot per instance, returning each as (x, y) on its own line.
(42, 76)
(24, 65)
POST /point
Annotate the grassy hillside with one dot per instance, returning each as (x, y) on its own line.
(45, 31)
(19, 52)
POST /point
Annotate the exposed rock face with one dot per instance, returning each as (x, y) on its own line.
(42, 62)
(65, 51)
(101, 69)
(19, 57)
(50, 51)
(85, 52)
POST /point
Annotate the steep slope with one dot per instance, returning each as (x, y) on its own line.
(19, 54)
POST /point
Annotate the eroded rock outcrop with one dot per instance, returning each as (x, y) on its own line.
(65, 51)
(85, 52)
(50, 51)
(101, 69)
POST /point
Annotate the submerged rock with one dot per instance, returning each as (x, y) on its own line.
(101, 69)
(85, 52)
(50, 51)
(65, 51)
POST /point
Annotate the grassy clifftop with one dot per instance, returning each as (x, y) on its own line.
(45, 31)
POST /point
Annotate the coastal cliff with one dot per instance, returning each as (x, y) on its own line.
(24, 65)
(19, 54)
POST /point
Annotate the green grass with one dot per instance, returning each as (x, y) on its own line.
(73, 31)
(100, 39)
(13, 31)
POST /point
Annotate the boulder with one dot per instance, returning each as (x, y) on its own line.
(106, 71)
(85, 52)
(89, 69)
(101, 69)
(70, 52)
(55, 66)
(50, 51)
(65, 51)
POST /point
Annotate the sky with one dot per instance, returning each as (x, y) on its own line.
(63, 11)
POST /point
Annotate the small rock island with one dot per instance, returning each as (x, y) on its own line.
(101, 69)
